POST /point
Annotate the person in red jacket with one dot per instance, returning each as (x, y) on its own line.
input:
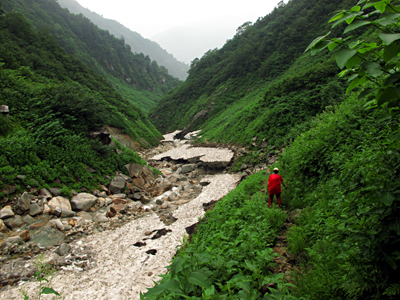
(274, 187)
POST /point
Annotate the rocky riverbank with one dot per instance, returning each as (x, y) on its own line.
(128, 230)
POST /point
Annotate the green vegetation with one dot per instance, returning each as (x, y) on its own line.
(44, 273)
(133, 75)
(230, 255)
(54, 101)
(137, 43)
(259, 83)
(341, 163)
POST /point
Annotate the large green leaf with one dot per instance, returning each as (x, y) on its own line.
(316, 41)
(389, 38)
(387, 20)
(373, 69)
(356, 25)
(388, 95)
(172, 285)
(199, 279)
(391, 52)
(356, 82)
(388, 199)
(47, 291)
(343, 55)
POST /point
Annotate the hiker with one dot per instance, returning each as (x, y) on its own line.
(274, 187)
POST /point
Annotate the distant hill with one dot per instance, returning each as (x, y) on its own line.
(138, 43)
(135, 76)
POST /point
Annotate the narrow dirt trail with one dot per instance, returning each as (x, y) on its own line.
(119, 269)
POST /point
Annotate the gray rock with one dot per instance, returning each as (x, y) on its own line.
(35, 209)
(14, 222)
(173, 197)
(3, 227)
(108, 201)
(55, 191)
(134, 170)
(63, 249)
(45, 194)
(28, 219)
(57, 212)
(100, 218)
(14, 240)
(103, 194)
(187, 168)
(6, 212)
(85, 216)
(137, 196)
(117, 184)
(159, 201)
(23, 204)
(59, 202)
(83, 201)
(57, 223)
(65, 213)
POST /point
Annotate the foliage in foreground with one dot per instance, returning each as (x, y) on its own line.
(230, 255)
(344, 173)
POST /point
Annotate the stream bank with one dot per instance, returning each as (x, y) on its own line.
(121, 261)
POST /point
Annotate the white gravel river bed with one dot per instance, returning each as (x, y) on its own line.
(120, 270)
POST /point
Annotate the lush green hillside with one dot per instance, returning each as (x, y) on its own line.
(135, 76)
(138, 43)
(342, 170)
(259, 83)
(54, 101)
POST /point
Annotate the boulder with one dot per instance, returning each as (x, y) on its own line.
(57, 223)
(100, 218)
(117, 184)
(14, 222)
(63, 249)
(28, 219)
(66, 213)
(6, 212)
(44, 193)
(14, 240)
(148, 173)
(3, 227)
(173, 197)
(134, 170)
(59, 202)
(55, 191)
(23, 204)
(118, 208)
(35, 209)
(187, 168)
(83, 201)
(85, 216)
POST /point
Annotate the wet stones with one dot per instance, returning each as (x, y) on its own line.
(83, 201)
(6, 212)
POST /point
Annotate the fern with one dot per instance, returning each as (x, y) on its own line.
(392, 290)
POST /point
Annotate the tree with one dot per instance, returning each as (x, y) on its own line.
(372, 63)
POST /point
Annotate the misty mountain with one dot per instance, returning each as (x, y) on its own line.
(138, 43)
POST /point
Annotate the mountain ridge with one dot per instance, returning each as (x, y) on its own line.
(138, 43)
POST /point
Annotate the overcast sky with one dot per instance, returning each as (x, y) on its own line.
(151, 17)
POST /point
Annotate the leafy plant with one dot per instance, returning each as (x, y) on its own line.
(373, 62)
(43, 275)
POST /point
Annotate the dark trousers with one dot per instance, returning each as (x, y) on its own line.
(271, 197)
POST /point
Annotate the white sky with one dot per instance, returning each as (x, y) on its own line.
(151, 17)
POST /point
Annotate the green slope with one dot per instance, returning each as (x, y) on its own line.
(54, 101)
(138, 43)
(257, 80)
(135, 76)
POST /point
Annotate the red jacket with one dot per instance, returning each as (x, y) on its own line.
(274, 184)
